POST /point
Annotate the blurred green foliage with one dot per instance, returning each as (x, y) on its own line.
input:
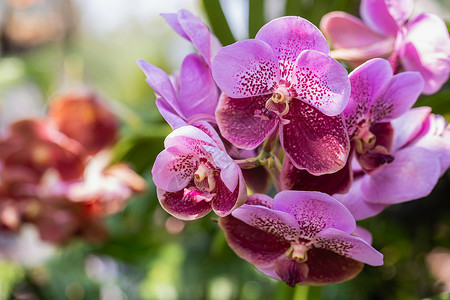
(144, 258)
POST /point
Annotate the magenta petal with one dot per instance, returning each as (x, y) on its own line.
(239, 121)
(412, 175)
(169, 114)
(322, 82)
(255, 246)
(363, 233)
(368, 82)
(198, 33)
(229, 170)
(260, 199)
(276, 222)
(190, 137)
(291, 271)
(427, 50)
(257, 179)
(172, 20)
(247, 68)
(314, 211)
(288, 37)
(408, 126)
(174, 168)
(181, 207)
(400, 96)
(356, 203)
(313, 141)
(198, 91)
(300, 180)
(226, 201)
(347, 245)
(347, 31)
(376, 14)
(160, 83)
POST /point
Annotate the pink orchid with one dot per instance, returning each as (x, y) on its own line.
(299, 237)
(421, 44)
(195, 175)
(421, 148)
(285, 78)
(192, 95)
(377, 97)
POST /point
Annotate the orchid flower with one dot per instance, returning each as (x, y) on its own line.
(299, 237)
(377, 97)
(192, 95)
(421, 44)
(194, 175)
(285, 78)
(421, 147)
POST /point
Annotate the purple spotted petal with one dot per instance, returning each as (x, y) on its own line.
(190, 137)
(198, 92)
(182, 207)
(260, 199)
(363, 233)
(412, 175)
(369, 81)
(169, 114)
(347, 31)
(256, 246)
(426, 49)
(356, 203)
(376, 14)
(161, 84)
(314, 141)
(347, 245)
(314, 211)
(400, 96)
(174, 168)
(246, 68)
(242, 121)
(300, 180)
(408, 126)
(288, 37)
(257, 179)
(276, 222)
(226, 201)
(322, 82)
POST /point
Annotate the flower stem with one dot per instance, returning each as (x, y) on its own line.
(301, 292)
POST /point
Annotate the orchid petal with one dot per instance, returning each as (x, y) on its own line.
(256, 246)
(174, 168)
(427, 50)
(356, 203)
(412, 175)
(246, 68)
(288, 37)
(260, 199)
(169, 114)
(368, 82)
(327, 267)
(363, 233)
(160, 83)
(291, 271)
(347, 245)
(322, 82)
(347, 31)
(275, 222)
(314, 211)
(183, 208)
(190, 137)
(400, 96)
(239, 121)
(172, 20)
(198, 92)
(314, 141)
(257, 179)
(408, 126)
(198, 33)
(227, 201)
(300, 180)
(377, 15)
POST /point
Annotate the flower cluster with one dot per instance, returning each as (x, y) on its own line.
(56, 172)
(339, 147)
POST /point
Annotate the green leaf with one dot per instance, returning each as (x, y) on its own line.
(218, 21)
(255, 16)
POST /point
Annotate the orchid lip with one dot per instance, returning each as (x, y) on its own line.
(204, 178)
(365, 140)
(279, 102)
(297, 252)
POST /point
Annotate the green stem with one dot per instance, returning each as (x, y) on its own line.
(301, 292)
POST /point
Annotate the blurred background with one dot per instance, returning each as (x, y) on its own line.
(47, 46)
